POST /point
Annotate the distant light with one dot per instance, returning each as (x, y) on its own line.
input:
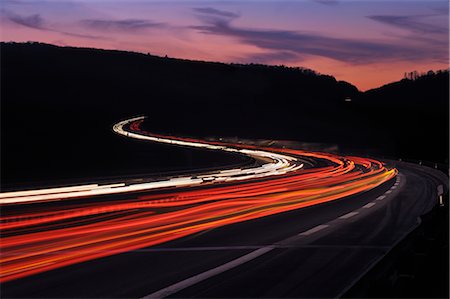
(348, 100)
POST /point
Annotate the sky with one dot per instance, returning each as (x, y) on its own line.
(365, 42)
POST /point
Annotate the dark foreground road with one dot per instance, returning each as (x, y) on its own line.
(318, 251)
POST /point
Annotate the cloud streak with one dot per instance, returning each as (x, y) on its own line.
(327, 2)
(216, 12)
(299, 43)
(411, 23)
(121, 25)
(36, 21)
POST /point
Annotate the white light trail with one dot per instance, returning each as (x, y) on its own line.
(280, 164)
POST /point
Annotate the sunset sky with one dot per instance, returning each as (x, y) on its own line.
(367, 43)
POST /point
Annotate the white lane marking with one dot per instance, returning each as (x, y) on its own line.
(241, 260)
(205, 275)
(387, 192)
(369, 205)
(175, 288)
(313, 230)
(394, 187)
(381, 197)
(348, 215)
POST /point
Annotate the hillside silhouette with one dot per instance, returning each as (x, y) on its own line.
(414, 113)
(59, 103)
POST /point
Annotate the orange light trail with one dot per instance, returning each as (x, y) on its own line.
(44, 237)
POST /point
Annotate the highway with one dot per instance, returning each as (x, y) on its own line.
(298, 224)
(279, 164)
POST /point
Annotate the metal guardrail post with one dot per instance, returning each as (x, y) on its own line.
(440, 192)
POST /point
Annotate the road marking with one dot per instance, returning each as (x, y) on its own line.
(348, 215)
(203, 248)
(175, 288)
(394, 187)
(369, 205)
(381, 197)
(205, 275)
(314, 230)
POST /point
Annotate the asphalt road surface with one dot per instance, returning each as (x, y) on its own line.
(315, 250)
(354, 234)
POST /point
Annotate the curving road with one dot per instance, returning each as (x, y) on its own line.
(295, 224)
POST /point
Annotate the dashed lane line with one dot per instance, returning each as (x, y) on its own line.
(369, 205)
(314, 230)
(174, 288)
(348, 215)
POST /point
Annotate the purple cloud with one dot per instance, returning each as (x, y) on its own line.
(442, 10)
(34, 21)
(327, 2)
(411, 23)
(122, 25)
(303, 43)
(216, 12)
(88, 36)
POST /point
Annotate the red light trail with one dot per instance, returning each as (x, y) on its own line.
(42, 237)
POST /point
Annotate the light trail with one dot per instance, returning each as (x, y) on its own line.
(280, 164)
(41, 237)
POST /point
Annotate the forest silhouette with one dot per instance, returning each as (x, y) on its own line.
(59, 103)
